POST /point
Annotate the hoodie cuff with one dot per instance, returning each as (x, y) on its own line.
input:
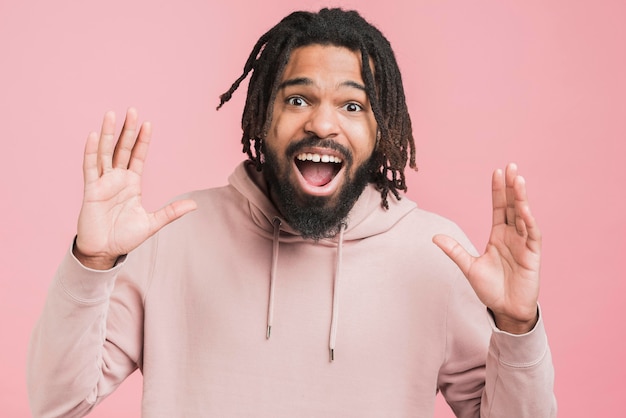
(86, 285)
(524, 350)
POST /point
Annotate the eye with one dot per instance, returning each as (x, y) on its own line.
(353, 107)
(296, 101)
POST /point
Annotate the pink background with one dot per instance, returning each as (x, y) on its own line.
(539, 83)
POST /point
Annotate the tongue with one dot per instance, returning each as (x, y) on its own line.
(317, 174)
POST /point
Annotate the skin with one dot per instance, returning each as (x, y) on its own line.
(322, 94)
(506, 276)
(112, 220)
(321, 97)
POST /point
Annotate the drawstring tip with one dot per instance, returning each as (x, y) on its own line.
(268, 332)
(332, 354)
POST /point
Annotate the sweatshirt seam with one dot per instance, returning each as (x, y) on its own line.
(82, 301)
(492, 395)
(75, 298)
(448, 297)
(520, 365)
(149, 280)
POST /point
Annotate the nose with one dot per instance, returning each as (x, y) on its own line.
(322, 122)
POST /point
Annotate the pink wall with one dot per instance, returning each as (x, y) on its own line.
(540, 83)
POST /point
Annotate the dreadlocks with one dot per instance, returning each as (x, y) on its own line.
(337, 27)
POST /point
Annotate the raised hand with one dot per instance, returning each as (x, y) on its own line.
(506, 276)
(112, 220)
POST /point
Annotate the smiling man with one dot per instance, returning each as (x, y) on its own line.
(307, 286)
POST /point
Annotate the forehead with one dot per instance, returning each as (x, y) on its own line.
(323, 62)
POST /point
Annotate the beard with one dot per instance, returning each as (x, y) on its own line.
(314, 217)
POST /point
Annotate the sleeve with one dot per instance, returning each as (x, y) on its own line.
(77, 354)
(520, 375)
(491, 373)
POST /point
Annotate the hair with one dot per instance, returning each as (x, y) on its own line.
(267, 62)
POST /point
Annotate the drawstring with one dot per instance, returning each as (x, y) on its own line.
(335, 308)
(270, 306)
(335, 313)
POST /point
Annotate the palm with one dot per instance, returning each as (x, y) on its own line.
(112, 220)
(112, 214)
(506, 276)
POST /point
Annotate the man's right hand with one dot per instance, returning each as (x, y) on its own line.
(112, 221)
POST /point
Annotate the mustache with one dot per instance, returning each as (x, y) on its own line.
(314, 141)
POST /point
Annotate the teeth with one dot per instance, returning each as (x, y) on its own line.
(316, 158)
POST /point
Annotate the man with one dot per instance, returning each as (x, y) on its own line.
(303, 288)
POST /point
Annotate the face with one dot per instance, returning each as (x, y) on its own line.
(321, 138)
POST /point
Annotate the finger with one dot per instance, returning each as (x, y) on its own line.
(531, 229)
(520, 226)
(90, 159)
(533, 241)
(125, 143)
(106, 144)
(171, 212)
(498, 198)
(140, 150)
(520, 200)
(455, 251)
(510, 175)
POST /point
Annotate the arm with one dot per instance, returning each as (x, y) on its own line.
(78, 352)
(72, 363)
(491, 373)
(520, 375)
(505, 278)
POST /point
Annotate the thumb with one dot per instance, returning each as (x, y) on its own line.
(455, 251)
(170, 213)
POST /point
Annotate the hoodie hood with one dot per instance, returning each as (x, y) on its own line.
(367, 218)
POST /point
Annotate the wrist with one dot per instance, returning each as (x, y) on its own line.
(512, 325)
(94, 262)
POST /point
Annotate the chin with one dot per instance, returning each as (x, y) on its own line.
(314, 215)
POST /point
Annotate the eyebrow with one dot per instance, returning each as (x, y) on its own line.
(305, 81)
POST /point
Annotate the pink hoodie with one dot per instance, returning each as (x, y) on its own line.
(192, 309)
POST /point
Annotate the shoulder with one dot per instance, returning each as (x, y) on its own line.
(421, 222)
(214, 206)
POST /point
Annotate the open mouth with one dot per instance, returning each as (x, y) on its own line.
(318, 169)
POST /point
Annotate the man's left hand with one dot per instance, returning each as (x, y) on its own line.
(506, 276)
